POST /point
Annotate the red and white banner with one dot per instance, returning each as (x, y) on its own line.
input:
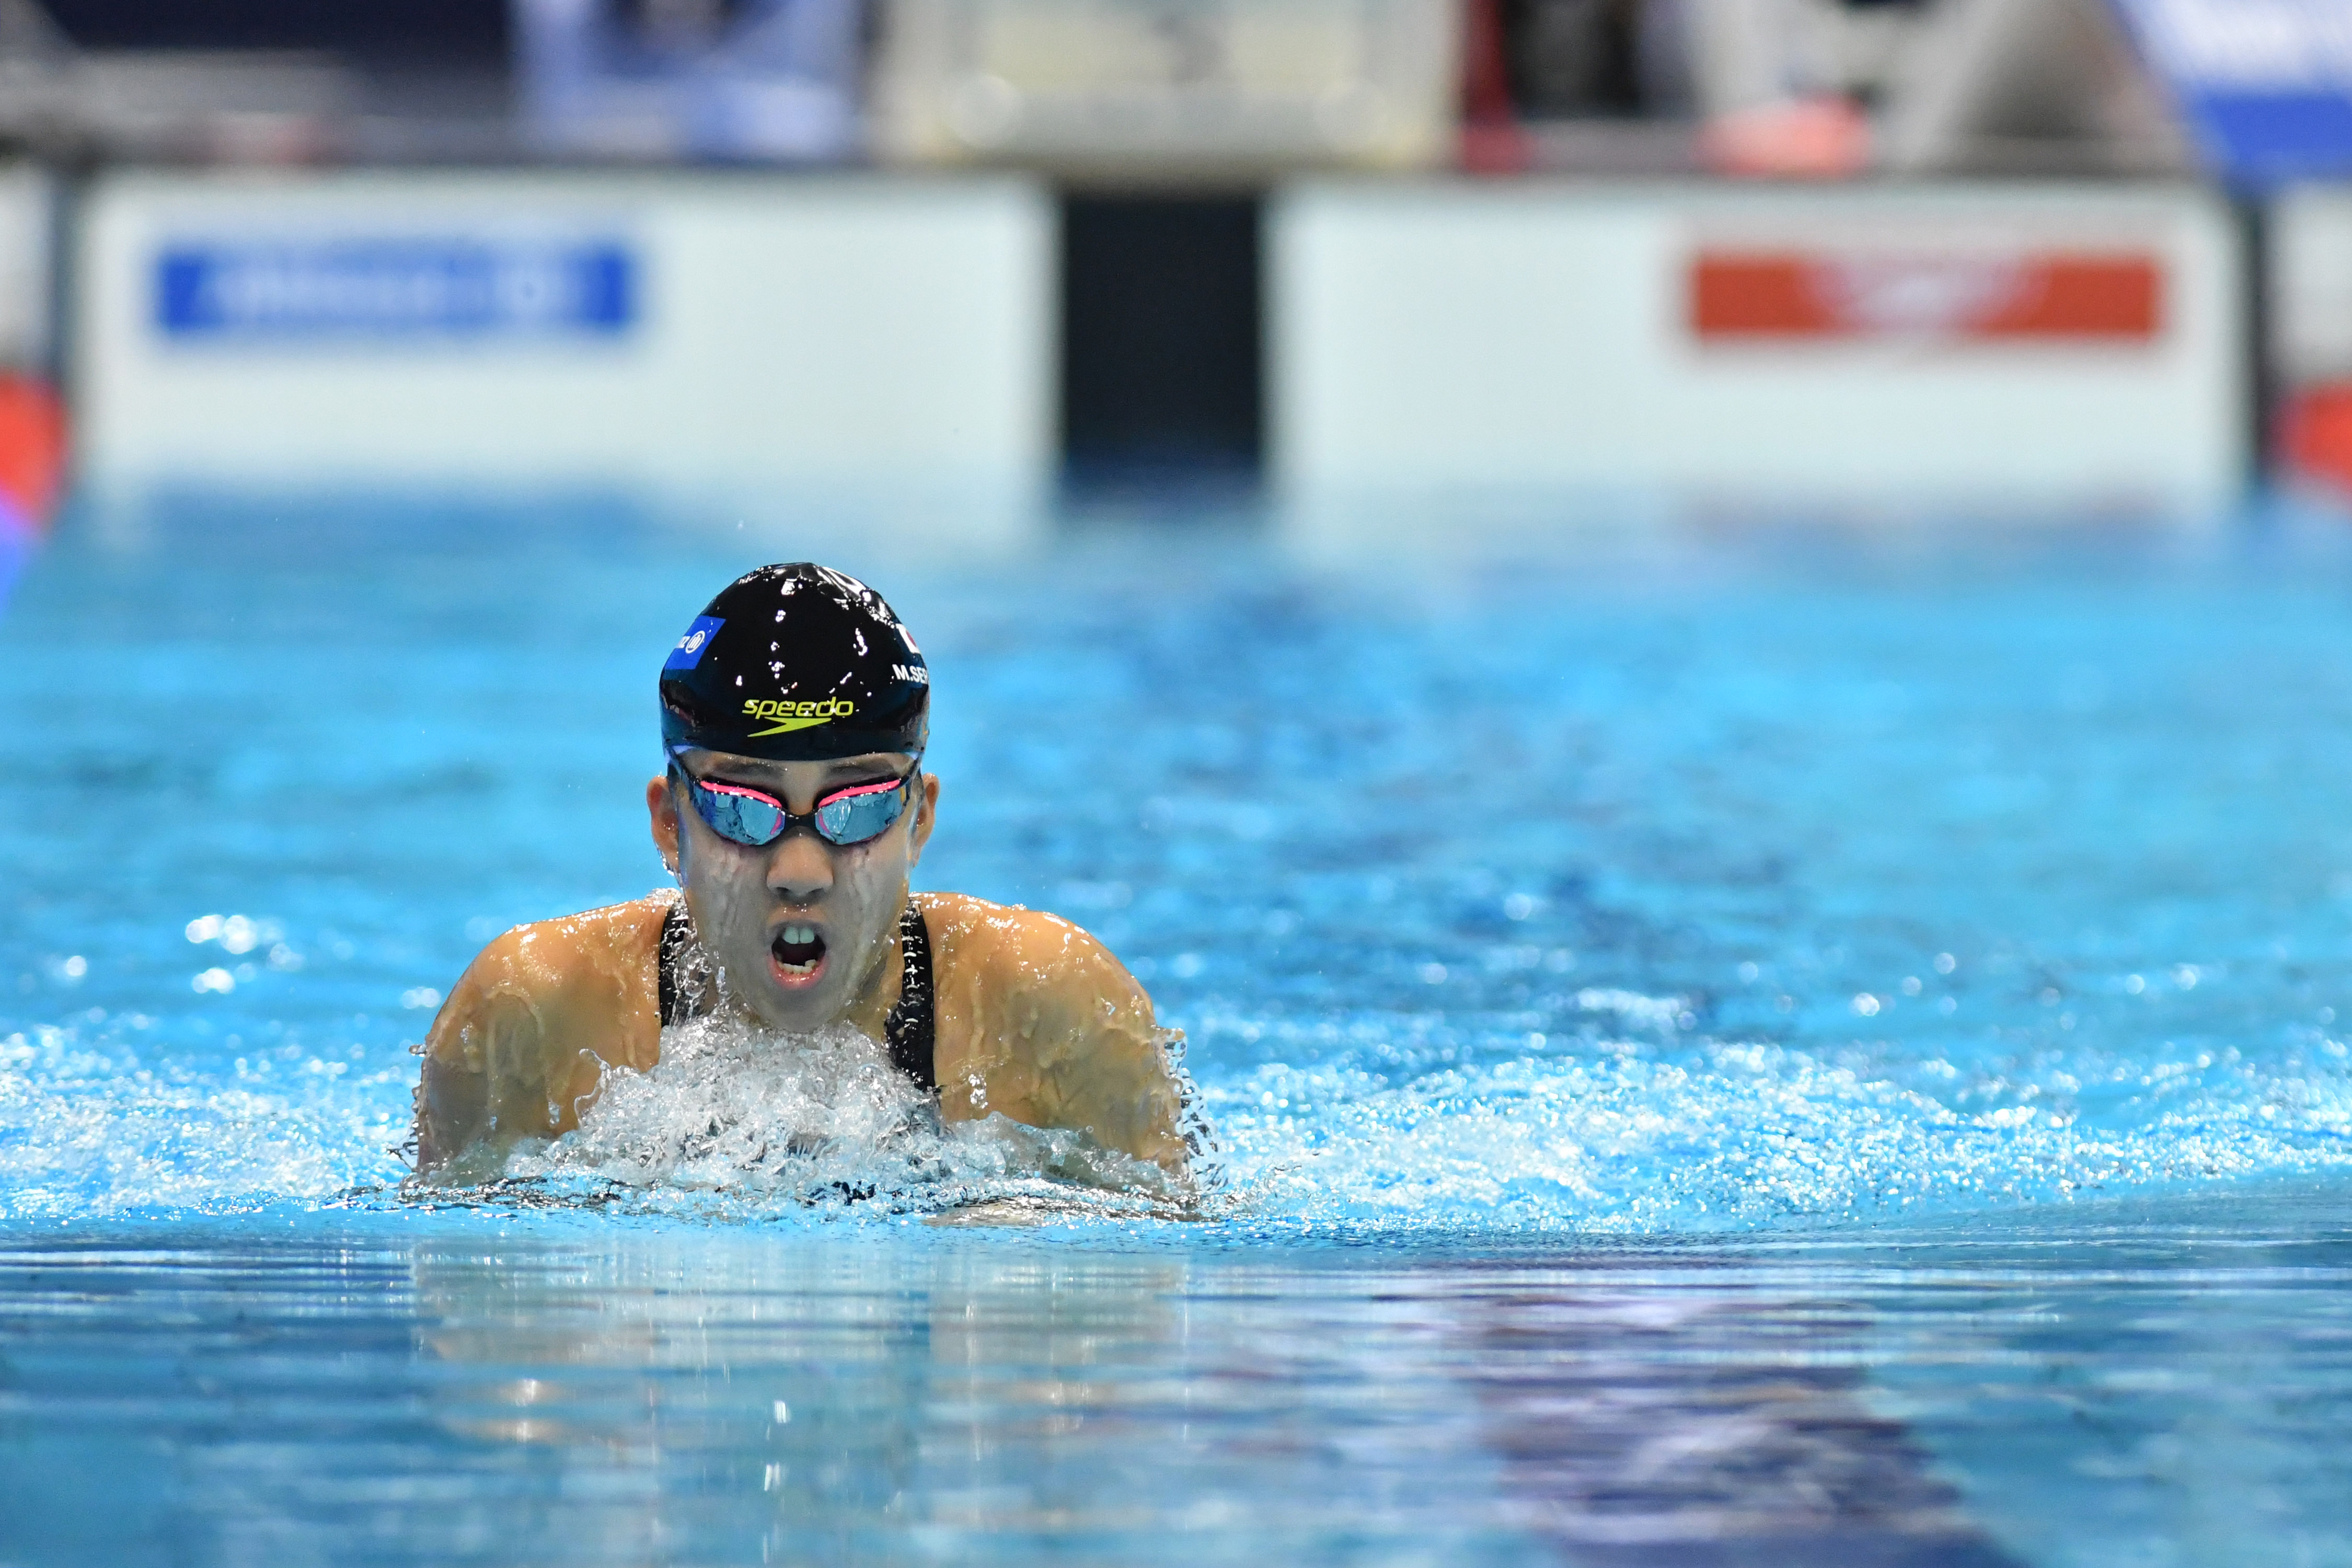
(1763, 295)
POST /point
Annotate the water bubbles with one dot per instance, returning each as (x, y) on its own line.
(215, 981)
(1518, 906)
(1432, 973)
(1945, 963)
(750, 1120)
(1911, 986)
(235, 933)
(1866, 1005)
(2134, 984)
(1185, 965)
(1660, 1013)
(418, 997)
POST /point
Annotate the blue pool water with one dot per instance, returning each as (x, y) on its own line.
(1769, 1047)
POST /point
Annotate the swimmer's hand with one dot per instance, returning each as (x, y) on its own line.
(1039, 1023)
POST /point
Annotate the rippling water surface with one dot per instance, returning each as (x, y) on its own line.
(1754, 1049)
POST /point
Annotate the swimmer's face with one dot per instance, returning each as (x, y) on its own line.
(801, 926)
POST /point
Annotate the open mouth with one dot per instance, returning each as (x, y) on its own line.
(797, 954)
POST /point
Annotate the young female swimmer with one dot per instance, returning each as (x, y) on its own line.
(794, 713)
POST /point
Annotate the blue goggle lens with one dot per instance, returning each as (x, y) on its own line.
(854, 816)
(755, 820)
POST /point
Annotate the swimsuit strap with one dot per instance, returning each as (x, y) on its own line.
(677, 936)
(911, 1027)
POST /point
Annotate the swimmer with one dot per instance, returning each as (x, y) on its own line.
(794, 713)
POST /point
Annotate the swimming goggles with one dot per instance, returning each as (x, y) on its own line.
(854, 813)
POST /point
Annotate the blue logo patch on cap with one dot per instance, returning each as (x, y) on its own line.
(694, 644)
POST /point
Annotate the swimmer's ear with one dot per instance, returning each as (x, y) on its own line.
(662, 806)
(927, 806)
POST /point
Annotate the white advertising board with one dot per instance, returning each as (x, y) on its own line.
(2031, 348)
(2311, 283)
(720, 340)
(24, 294)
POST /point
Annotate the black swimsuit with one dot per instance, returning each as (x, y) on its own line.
(910, 1027)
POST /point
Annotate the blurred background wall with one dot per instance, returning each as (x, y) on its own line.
(2037, 254)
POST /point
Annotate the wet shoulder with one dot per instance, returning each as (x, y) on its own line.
(1008, 950)
(589, 976)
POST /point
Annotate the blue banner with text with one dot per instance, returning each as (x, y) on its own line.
(2264, 85)
(395, 289)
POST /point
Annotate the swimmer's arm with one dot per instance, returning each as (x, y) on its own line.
(491, 1077)
(1088, 1049)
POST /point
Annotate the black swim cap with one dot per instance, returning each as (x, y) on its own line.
(796, 663)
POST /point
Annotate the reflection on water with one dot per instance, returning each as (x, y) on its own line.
(1640, 1426)
(2162, 1387)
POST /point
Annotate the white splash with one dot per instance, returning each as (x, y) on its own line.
(741, 1118)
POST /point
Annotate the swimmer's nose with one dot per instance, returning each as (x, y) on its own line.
(799, 869)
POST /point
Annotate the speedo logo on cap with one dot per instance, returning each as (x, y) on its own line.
(783, 718)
